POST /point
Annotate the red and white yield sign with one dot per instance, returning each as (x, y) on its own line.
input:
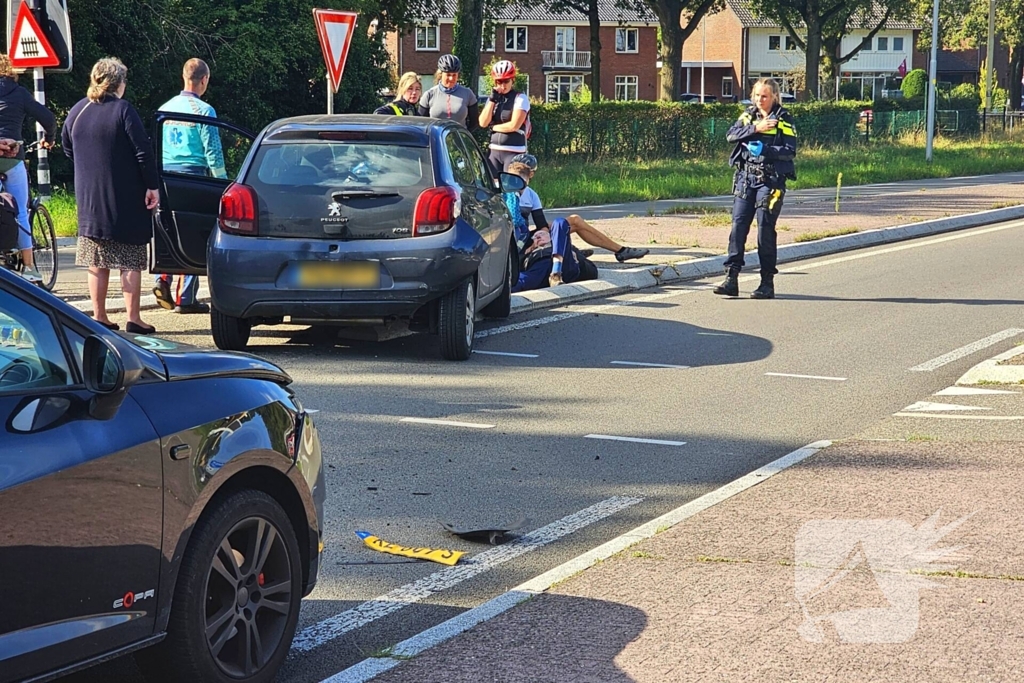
(335, 29)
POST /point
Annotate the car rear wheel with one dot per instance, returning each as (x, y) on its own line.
(229, 333)
(502, 306)
(456, 320)
(236, 603)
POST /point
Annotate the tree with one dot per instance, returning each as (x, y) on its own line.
(968, 25)
(826, 23)
(467, 33)
(915, 84)
(678, 19)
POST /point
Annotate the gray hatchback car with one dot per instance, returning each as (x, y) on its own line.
(335, 219)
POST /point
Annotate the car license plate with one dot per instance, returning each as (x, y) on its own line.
(356, 275)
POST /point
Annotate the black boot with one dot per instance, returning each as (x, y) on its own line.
(730, 285)
(766, 290)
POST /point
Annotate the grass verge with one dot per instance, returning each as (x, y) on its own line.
(606, 182)
(812, 236)
(64, 212)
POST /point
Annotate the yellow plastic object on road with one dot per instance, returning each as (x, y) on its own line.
(448, 557)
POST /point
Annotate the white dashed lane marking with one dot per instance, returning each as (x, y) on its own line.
(821, 377)
(658, 442)
(446, 423)
(507, 353)
(649, 365)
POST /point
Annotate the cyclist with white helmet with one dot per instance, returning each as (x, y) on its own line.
(448, 99)
(509, 111)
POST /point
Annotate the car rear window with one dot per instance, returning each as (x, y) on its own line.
(340, 165)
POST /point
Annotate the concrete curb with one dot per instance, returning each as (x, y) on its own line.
(614, 282)
(991, 372)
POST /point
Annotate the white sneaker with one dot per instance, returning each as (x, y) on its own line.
(32, 275)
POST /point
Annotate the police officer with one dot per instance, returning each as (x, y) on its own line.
(765, 142)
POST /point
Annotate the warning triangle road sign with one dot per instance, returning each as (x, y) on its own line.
(335, 30)
(29, 46)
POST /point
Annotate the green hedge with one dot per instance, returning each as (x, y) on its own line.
(656, 130)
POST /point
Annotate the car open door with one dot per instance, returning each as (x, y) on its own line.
(198, 157)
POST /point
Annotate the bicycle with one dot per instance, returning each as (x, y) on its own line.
(44, 237)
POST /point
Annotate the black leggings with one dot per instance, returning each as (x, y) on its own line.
(500, 159)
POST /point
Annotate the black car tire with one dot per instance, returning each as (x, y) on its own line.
(186, 654)
(502, 306)
(229, 333)
(456, 314)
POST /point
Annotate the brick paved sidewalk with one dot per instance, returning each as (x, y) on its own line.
(715, 598)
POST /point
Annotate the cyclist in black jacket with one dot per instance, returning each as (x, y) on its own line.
(765, 142)
(16, 104)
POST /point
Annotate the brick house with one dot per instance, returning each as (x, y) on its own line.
(740, 47)
(552, 50)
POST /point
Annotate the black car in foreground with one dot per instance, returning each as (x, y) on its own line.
(152, 497)
(343, 219)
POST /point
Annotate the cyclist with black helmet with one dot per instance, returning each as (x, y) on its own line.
(449, 100)
(509, 110)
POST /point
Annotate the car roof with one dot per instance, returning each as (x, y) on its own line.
(417, 128)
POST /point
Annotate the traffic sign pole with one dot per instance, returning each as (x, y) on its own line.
(330, 96)
(43, 168)
(334, 28)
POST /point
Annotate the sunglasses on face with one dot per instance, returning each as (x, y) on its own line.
(502, 81)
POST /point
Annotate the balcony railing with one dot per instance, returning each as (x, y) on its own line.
(559, 59)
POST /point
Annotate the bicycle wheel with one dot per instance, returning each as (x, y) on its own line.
(44, 245)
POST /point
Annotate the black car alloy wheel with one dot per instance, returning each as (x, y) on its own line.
(236, 602)
(248, 597)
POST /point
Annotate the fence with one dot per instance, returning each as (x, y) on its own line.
(666, 132)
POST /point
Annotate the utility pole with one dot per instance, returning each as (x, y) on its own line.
(933, 79)
(703, 44)
(989, 55)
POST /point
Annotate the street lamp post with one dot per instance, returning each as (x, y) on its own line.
(933, 79)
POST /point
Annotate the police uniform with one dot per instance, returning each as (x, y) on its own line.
(759, 186)
(397, 108)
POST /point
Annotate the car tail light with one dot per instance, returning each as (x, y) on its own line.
(238, 210)
(436, 210)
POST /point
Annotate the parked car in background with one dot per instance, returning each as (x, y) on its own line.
(344, 218)
(694, 98)
(151, 496)
(784, 98)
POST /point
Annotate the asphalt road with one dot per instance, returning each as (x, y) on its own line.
(865, 333)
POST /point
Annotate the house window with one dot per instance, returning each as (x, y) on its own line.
(774, 42)
(883, 44)
(726, 86)
(561, 88)
(487, 41)
(627, 40)
(426, 37)
(515, 39)
(790, 44)
(626, 88)
(897, 44)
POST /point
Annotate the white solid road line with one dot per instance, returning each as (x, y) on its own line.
(327, 630)
(650, 365)
(370, 668)
(961, 417)
(506, 353)
(786, 374)
(660, 442)
(447, 423)
(971, 391)
(967, 350)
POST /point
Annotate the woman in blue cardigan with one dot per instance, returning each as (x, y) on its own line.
(116, 185)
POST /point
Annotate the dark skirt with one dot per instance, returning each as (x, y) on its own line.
(95, 253)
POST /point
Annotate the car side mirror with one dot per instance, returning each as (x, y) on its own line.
(510, 182)
(110, 369)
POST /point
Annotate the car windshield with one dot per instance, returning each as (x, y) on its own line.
(342, 164)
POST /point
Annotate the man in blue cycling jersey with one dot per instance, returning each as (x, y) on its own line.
(190, 149)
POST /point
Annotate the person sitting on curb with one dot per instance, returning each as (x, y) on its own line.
(550, 259)
(525, 165)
